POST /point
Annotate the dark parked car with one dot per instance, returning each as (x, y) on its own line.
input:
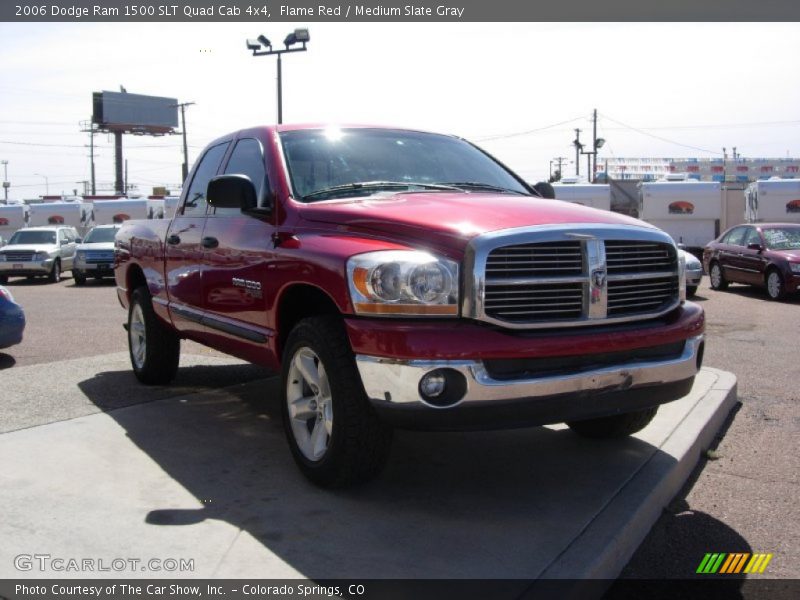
(12, 319)
(762, 254)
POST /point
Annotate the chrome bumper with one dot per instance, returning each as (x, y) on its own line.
(26, 267)
(396, 383)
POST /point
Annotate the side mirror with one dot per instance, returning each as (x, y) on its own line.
(64, 242)
(78, 240)
(545, 190)
(231, 191)
(758, 247)
(234, 191)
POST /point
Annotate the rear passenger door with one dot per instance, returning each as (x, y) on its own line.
(238, 251)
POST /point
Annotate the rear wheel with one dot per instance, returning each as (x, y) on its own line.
(333, 432)
(718, 281)
(154, 348)
(615, 425)
(775, 288)
(55, 273)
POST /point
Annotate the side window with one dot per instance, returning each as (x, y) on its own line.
(752, 237)
(71, 235)
(62, 235)
(736, 236)
(195, 205)
(247, 158)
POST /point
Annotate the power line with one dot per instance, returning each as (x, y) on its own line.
(529, 131)
(658, 137)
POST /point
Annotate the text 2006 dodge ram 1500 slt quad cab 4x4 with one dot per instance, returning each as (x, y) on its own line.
(403, 278)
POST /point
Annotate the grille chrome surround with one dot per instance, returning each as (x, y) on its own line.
(583, 275)
(99, 256)
(19, 255)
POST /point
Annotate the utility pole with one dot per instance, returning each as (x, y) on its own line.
(91, 156)
(593, 173)
(185, 167)
(6, 184)
(578, 148)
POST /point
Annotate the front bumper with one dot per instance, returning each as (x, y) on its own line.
(36, 267)
(12, 325)
(565, 376)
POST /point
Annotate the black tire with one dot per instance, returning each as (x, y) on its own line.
(154, 348)
(691, 291)
(78, 277)
(55, 273)
(3, 279)
(356, 443)
(614, 426)
(776, 288)
(717, 277)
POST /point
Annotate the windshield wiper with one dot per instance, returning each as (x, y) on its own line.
(477, 185)
(369, 185)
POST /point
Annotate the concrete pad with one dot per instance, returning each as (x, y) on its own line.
(208, 477)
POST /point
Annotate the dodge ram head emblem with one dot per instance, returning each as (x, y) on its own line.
(599, 278)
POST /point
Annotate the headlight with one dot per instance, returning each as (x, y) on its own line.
(80, 255)
(41, 256)
(403, 283)
(692, 264)
(795, 267)
(2, 258)
(682, 276)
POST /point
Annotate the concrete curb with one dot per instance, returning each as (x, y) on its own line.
(603, 549)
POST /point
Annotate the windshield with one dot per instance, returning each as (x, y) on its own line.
(98, 235)
(349, 162)
(33, 237)
(782, 238)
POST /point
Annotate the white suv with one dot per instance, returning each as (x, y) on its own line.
(35, 251)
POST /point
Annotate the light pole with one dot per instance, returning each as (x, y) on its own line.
(6, 184)
(46, 183)
(298, 36)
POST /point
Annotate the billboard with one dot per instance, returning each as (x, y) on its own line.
(134, 113)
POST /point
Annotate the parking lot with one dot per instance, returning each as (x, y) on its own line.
(742, 497)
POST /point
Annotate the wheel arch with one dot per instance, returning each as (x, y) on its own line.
(297, 302)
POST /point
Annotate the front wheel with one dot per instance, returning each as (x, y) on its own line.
(78, 277)
(333, 432)
(775, 288)
(614, 426)
(691, 291)
(718, 281)
(154, 348)
(55, 273)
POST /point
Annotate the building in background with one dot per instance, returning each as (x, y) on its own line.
(741, 170)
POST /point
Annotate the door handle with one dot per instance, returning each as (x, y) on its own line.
(174, 240)
(209, 242)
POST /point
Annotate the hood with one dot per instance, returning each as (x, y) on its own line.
(96, 246)
(29, 248)
(793, 255)
(449, 219)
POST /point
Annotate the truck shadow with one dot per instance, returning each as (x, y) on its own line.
(448, 505)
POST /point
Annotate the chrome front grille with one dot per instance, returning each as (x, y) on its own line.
(629, 297)
(531, 260)
(522, 303)
(638, 257)
(99, 256)
(586, 275)
(19, 255)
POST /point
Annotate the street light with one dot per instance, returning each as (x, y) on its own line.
(6, 184)
(46, 183)
(298, 36)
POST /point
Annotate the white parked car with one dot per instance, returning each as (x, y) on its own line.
(95, 256)
(694, 272)
(33, 251)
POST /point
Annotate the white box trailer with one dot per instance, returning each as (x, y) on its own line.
(13, 217)
(76, 214)
(107, 212)
(595, 195)
(690, 211)
(170, 206)
(773, 200)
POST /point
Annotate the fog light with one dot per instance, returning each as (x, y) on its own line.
(432, 384)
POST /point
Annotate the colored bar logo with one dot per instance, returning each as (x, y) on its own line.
(735, 562)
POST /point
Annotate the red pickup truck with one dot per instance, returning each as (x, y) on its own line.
(403, 278)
